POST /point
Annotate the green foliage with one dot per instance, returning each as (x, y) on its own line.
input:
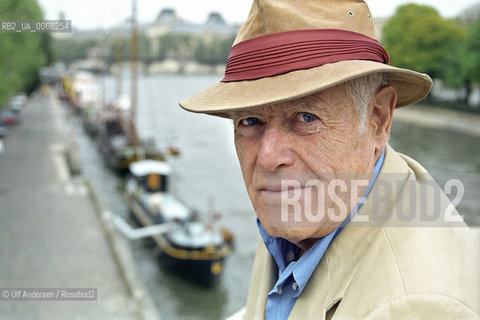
(71, 49)
(119, 49)
(21, 54)
(460, 63)
(473, 52)
(177, 45)
(213, 49)
(418, 38)
(214, 52)
(456, 63)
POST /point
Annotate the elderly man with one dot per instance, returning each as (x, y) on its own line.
(350, 229)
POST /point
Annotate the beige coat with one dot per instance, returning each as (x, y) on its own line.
(386, 272)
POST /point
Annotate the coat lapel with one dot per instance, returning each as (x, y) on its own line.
(261, 283)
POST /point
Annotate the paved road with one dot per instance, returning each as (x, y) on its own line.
(50, 233)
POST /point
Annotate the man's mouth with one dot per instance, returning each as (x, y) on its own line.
(282, 191)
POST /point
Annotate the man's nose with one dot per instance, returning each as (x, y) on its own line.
(275, 150)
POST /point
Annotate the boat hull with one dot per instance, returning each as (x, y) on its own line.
(203, 272)
(202, 265)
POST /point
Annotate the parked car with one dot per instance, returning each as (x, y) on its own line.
(10, 117)
(17, 102)
(2, 146)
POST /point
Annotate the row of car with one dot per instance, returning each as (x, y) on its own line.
(10, 115)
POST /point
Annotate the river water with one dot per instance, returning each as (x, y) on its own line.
(208, 167)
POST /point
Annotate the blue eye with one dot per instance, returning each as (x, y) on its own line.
(251, 121)
(249, 127)
(308, 117)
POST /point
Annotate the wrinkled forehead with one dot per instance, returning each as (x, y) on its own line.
(326, 101)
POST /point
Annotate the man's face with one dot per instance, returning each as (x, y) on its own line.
(292, 153)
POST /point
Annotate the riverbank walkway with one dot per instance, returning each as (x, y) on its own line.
(445, 119)
(52, 235)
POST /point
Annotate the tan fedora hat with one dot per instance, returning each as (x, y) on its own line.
(288, 49)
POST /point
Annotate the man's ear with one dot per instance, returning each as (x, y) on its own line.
(383, 102)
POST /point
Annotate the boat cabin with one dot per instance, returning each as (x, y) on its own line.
(151, 175)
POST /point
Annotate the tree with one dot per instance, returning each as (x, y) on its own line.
(70, 49)
(21, 54)
(473, 53)
(455, 72)
(462, 66)
(418, 38)
(214, 51)
(473, 47)
(180, 46)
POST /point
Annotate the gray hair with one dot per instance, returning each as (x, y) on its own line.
(361, 91)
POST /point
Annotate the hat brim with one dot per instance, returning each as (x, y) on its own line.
(226, 97)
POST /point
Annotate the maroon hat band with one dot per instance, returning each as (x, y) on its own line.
(279, 53)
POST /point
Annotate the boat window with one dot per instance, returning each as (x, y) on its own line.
(156, 183)
(113, 128)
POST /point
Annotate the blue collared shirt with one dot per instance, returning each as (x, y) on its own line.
(294, 275)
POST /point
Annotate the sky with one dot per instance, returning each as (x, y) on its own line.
(93, 14)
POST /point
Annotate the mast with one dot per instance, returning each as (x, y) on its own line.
(134, 75)
(118, 64)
